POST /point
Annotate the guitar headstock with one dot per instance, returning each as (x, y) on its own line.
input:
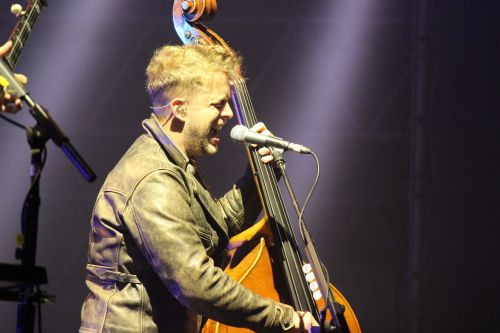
(23, 28)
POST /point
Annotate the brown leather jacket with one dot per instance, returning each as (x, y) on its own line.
(156, 242)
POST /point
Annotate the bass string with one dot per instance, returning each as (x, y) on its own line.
(266, 171)
(278, 212)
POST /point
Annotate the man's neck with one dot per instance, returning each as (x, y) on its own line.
(174, 132)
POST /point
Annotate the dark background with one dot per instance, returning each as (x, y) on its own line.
(332, 74)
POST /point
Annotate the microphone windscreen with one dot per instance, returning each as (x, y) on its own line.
(238, 133)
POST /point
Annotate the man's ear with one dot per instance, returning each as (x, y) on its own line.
(179, 108)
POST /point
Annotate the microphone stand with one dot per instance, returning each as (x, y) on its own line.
(45, 122)
(338, 322)
(37, 138)
(29, 275)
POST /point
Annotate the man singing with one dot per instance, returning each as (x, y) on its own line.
(157, 234)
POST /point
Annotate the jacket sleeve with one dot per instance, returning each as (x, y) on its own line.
(161, 221)
(241, 204)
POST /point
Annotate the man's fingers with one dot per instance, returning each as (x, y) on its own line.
(266, 132)
(21, 78)
(5, 48)
(8, 98)
(9, 103)
(305, 322)
(259, 127)
(267, 159)
(11, 108)
(264, 151)
(266, 155)
(309, 321)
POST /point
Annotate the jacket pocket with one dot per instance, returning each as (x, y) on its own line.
(96, 306)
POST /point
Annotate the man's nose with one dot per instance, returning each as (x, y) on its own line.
(227, 112)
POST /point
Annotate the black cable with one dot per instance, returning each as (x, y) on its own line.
(13, 122)
(316, 180)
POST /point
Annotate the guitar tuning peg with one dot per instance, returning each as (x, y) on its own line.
(17, 10)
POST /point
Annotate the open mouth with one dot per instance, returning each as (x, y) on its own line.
(215, 131)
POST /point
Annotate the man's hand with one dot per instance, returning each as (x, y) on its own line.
(9, 102)
(304, 322)
(261, 128)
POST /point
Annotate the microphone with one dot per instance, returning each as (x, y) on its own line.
(241, 134)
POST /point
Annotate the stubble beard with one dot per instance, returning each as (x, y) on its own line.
(198, 140)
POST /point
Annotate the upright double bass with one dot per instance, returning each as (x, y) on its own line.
(264, 258)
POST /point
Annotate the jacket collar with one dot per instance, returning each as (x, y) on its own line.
(154, 129)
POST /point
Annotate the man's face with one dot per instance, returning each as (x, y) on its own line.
(207, 111)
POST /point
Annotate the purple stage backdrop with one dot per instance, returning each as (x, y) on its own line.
(334, 75)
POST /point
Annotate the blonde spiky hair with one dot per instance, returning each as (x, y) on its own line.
(178, 69)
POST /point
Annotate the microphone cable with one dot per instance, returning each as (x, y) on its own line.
(309, 195)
